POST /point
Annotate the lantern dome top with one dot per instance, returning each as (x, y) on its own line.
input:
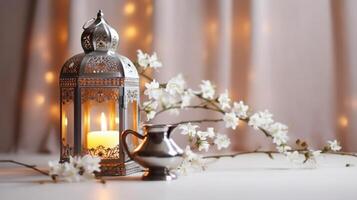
(99, 60)
(98, 35)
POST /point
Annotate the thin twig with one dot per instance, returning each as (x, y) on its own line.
(199, 121)
(146, 76)
(211, 103)
(188, 107)
(25, 165)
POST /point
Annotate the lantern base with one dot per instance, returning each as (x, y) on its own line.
(118, 169)
(158, 174)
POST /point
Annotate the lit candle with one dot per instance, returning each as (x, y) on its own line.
(105, 138)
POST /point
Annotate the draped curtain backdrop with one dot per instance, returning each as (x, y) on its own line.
(295, 58)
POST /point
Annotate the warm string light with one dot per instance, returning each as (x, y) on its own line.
(212, 27)
(40, 45)
(54, 110)
(343, 121)
(39, 99)
(131, 32)
(49, 77)
(129, 8)
(246, 28)
(63, 35)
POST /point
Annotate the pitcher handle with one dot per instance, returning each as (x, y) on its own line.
(124, 135)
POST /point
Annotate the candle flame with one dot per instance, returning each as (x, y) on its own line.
(65, 121)
(103, 122)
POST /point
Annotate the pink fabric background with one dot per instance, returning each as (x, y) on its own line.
(293, 57)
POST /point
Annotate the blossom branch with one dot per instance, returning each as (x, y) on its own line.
(198, 121)
(173, 96)
(187, 107)
(273, 152)
(26, 165)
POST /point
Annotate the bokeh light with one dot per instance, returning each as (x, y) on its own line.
(343, 121)
(131, 32)
(54, 110)
(129, 8)
(49, 77)
(39, 99)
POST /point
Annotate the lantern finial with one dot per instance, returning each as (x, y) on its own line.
(100, 14)
(98, 35)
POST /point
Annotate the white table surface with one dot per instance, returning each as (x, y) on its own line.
(252, 176)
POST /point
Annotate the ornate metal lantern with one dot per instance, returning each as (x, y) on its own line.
(99, 94)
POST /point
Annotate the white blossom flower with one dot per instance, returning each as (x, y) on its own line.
(76, 161)
(186, 98)
(240, 109)
(294, 157)
(188, 153)
(261, 119)
(77, 169)
(203, 145)
(224, 100)
(142, 59)
(70, 172)
(283, 148)
(279, 132)
(154, 61)
(168, 100)
(188, 129)
(150, 105)
(231, 120)
(145, 60)
(153, 90)
(184, 168)
(334, 145)
(203, 135)
(55, 168)
(176, 85)
(149, 108)
(207, 89)
(150, 115)
(190, 162)
(222, 141)
(91, 164)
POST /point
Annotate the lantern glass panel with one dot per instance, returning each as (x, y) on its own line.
(67, 122)
(132, 121)
(100, 121)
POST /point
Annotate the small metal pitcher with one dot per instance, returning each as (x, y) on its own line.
(158, 152)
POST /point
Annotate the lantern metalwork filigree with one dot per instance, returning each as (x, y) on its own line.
(99, 94)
